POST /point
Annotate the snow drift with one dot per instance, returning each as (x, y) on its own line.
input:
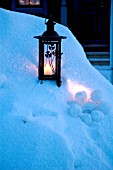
(43, 127)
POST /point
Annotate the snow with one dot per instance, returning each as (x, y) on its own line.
(81, 97)
(96, 96)
(105, 71)
(74, 109)
(97, 115)
(42, 126)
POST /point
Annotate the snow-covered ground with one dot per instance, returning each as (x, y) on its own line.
(43, 127)
(105, 71)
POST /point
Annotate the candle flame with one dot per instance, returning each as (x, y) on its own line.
(47, 70)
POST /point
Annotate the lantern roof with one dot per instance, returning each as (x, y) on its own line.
(50, 28)
(50, 32)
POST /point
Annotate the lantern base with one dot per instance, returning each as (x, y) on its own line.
(50, 77)
(59, 83)
(47, 77)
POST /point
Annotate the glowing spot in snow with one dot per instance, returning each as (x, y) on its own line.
(75, 87)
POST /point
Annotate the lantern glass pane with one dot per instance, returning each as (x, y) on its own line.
(49, 59)
(29, 2)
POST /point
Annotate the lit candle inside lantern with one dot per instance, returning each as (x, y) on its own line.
(47, 70)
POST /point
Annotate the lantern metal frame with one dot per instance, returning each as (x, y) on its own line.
(53, 40)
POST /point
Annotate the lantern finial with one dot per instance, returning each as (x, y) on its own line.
(50, 24)
(50, 28)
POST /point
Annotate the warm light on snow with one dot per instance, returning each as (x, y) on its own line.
(75, 87)
(32, 68)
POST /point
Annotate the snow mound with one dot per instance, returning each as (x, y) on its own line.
(97, 115)
(81, 97)
(104, 107)
(33, 146)
(89, 110)
(43, 126)
(88, 107)
(96, 96)
(75, 110)
(86, 118)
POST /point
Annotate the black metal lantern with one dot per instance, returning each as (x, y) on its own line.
(50, 54)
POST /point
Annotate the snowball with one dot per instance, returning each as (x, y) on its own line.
(97, 115)
(86, 118)
(2, 80)
(104, 107)
(75, 110)
(96, 96)
(80, 97)
(88, 107)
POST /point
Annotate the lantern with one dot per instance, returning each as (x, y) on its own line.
(50, 54)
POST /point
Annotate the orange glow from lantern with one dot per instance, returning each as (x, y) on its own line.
(47, 70)
(32, 68)
(75, 87)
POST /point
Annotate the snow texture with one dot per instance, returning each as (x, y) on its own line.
(81, 97)
(43, 127)
(96, 96)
